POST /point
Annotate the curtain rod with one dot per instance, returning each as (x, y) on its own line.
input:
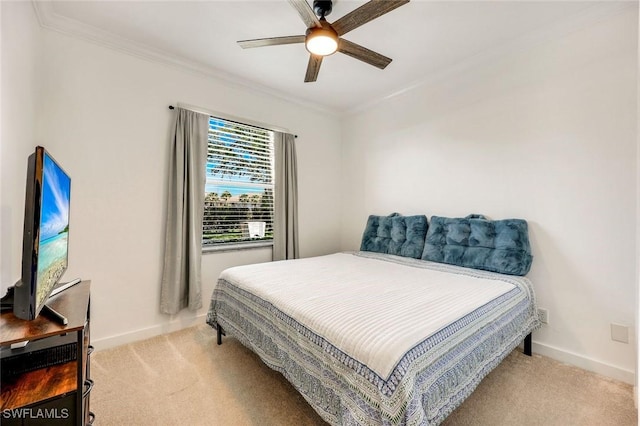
(262, 126)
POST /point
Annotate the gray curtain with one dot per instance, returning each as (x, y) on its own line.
(285, 222)
(181, 275)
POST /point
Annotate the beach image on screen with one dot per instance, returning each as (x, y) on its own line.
(54, 229)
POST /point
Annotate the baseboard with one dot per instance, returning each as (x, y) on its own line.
(584, 362)
(147, 333)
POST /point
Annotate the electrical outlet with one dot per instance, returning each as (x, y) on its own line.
(543, 315)
(620, 333)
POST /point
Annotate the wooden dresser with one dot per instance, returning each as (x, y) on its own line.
(47, 382)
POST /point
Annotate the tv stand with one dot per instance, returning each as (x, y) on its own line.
(60, 287)
(52, 373)
(54, 315)
(6, 302)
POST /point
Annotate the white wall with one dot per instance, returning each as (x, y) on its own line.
(19, 83)
(548, 135)
(104, 116)
(637, 333)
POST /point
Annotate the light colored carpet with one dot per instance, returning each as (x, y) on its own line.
(184, 378)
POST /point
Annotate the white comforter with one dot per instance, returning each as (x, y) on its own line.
(349, 301)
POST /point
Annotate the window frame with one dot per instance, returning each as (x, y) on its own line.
(242, 244)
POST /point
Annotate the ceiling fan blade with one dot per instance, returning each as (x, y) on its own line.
(362, 53)
(272, 41)
(313, 68)
(306, 13)
(365, 13)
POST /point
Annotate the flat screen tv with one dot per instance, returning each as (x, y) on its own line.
(45, 243)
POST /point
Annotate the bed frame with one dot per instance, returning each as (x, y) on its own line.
(526, 350)
(527, 345)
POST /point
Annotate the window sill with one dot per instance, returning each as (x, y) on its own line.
(248, 245)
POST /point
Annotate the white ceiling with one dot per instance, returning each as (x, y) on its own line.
(424, 38)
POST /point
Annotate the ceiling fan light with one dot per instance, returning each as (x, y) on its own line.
(321, 41)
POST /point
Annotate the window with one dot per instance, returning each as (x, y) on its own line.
(238, 205)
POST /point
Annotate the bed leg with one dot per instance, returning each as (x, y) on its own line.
(527, 345)
(220, 333)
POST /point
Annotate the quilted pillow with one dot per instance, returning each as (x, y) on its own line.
(475, 242)
(395, 234)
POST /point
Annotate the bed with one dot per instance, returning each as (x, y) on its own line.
(382, 336)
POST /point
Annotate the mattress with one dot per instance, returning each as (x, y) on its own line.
(375, 339)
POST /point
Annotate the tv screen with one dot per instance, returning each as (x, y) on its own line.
(46, 233)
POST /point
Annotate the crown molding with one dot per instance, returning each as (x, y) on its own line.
(50, 20)
(598, 12)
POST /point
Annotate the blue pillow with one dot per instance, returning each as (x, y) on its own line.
(395, 234)
(475, 242)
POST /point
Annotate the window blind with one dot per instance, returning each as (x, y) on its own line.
(238, 204)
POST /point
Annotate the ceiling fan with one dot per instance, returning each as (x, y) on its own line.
(323, 38)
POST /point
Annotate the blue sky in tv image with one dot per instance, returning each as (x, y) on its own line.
(54, 227)
(55, 200)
